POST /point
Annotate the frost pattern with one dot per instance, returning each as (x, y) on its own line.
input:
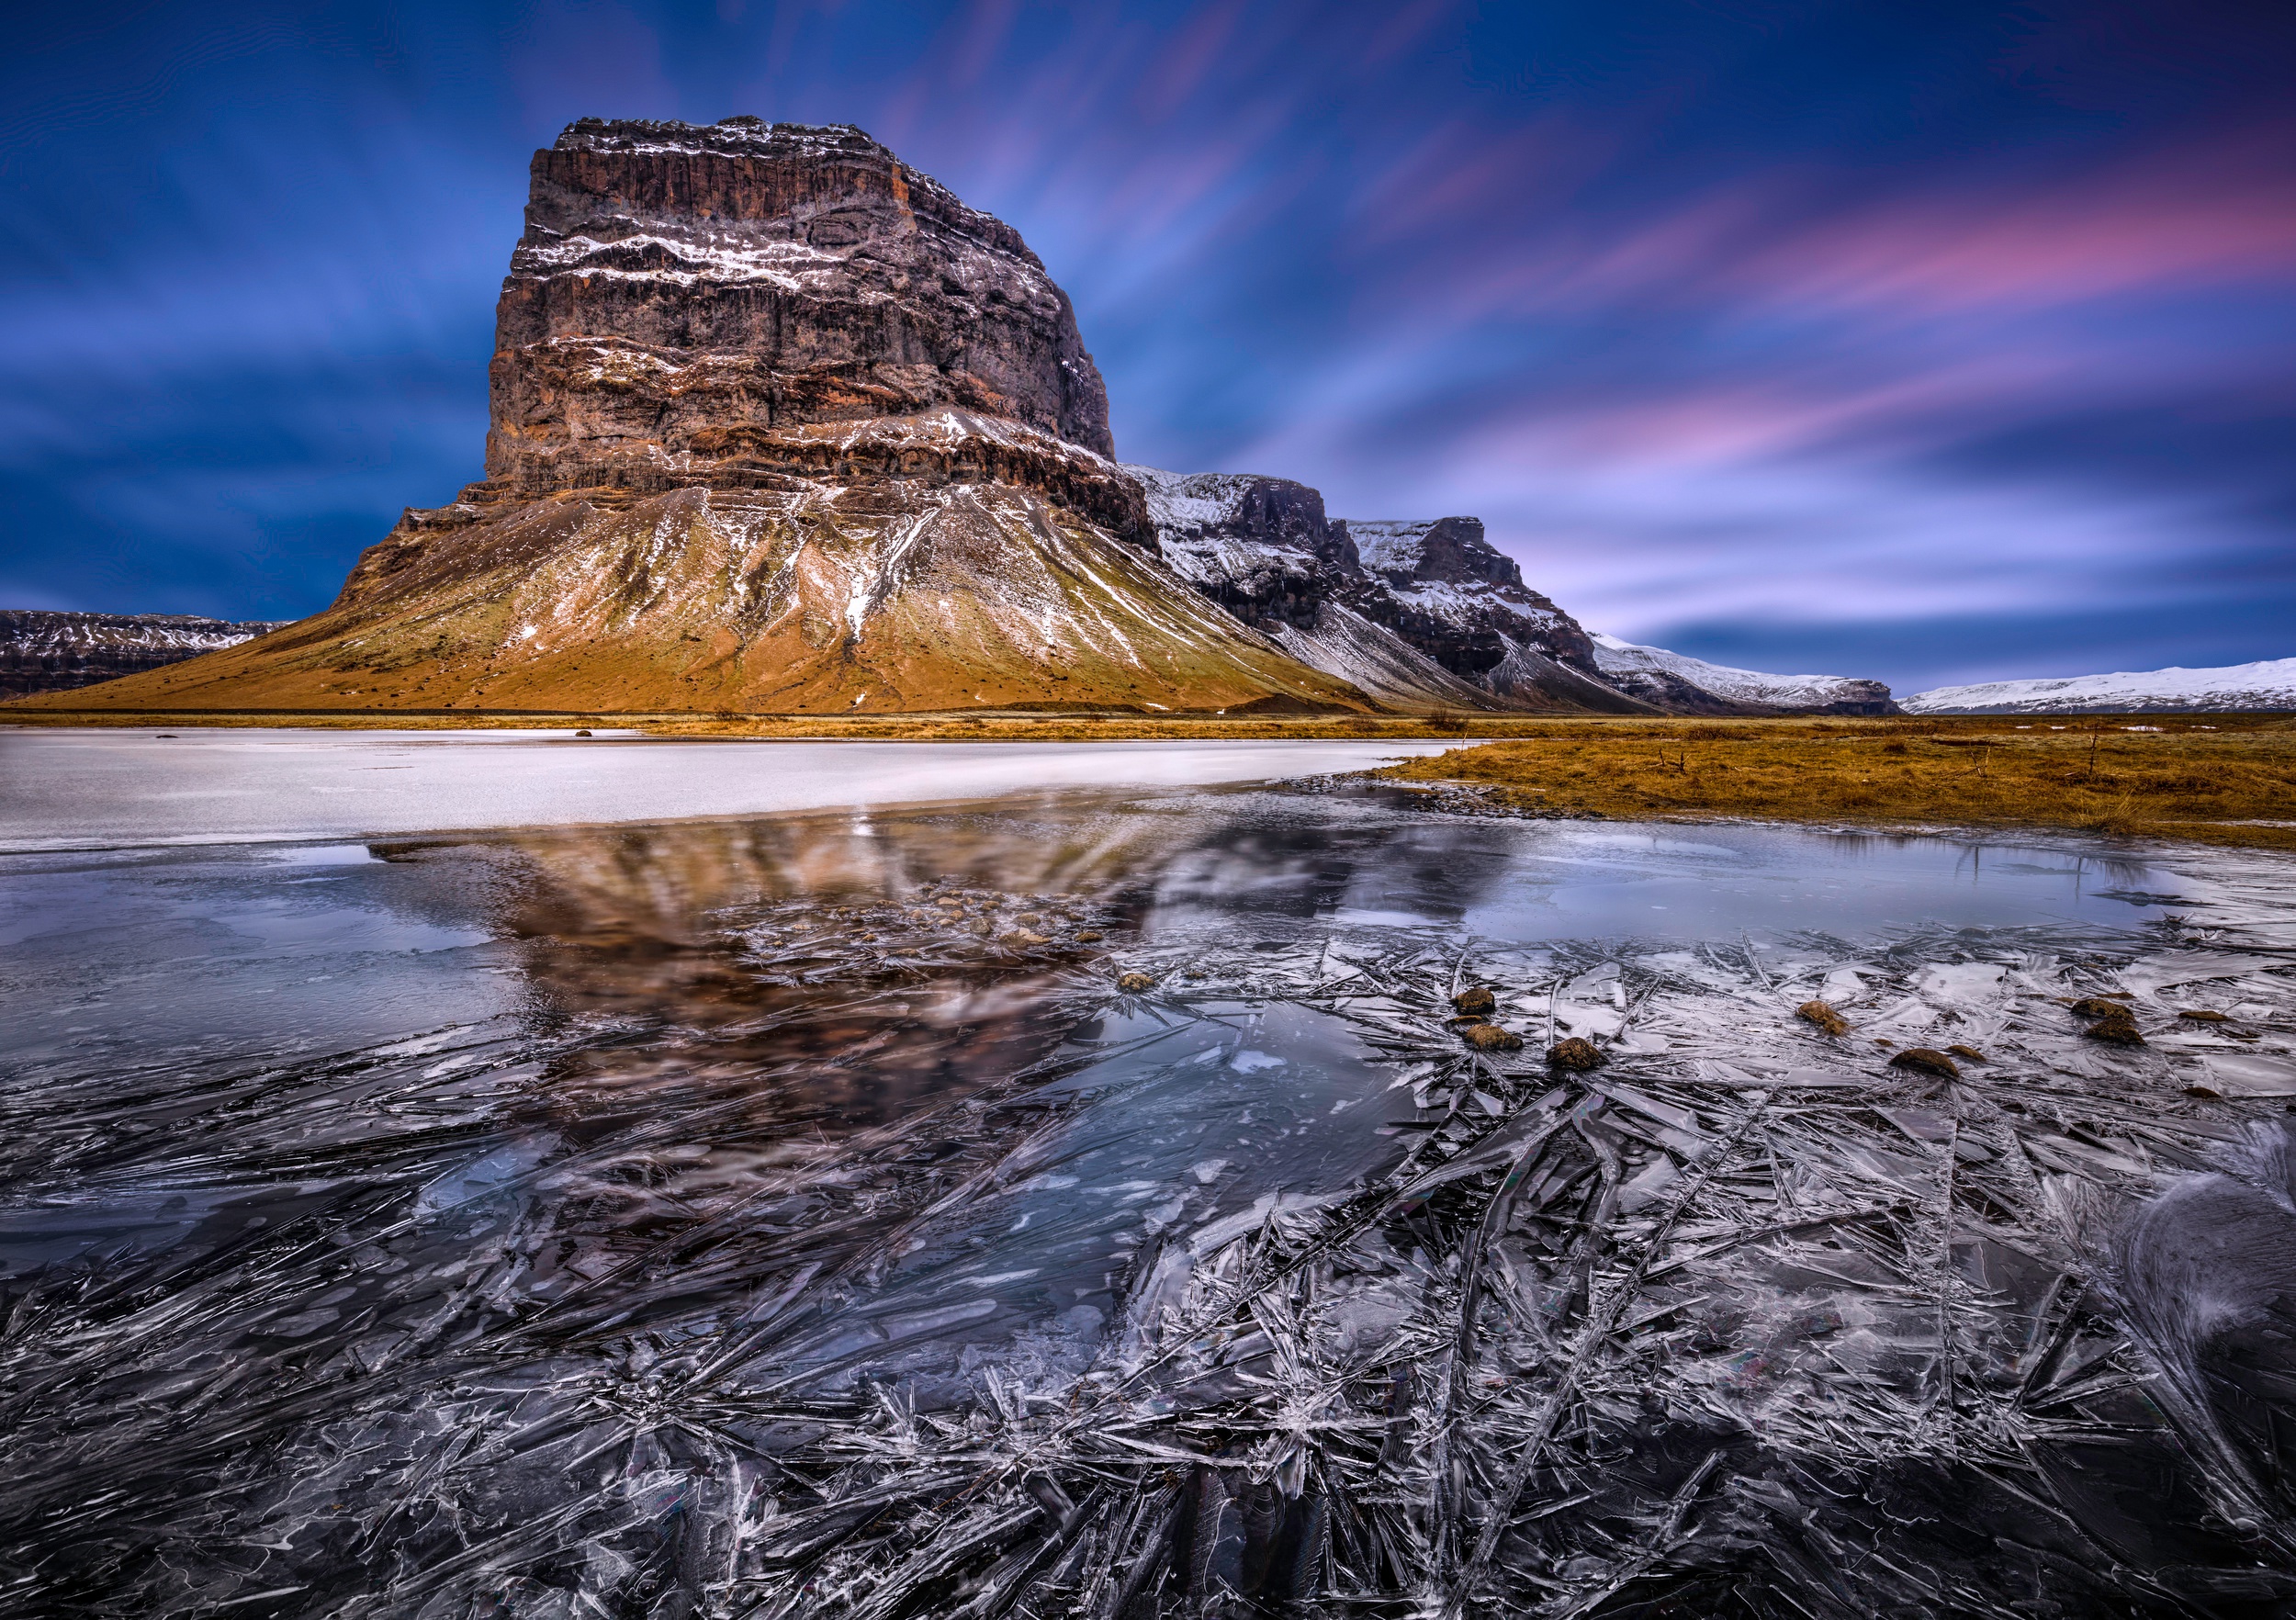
(673, 1294)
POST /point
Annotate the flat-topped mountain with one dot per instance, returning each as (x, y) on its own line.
(777, 424)
(690, 289)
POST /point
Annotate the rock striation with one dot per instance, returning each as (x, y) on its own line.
(54, 651)
(682, 288)
(777, 424)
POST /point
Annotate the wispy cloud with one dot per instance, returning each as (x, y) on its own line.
(1732, 331)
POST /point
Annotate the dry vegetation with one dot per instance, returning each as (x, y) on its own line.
(990, 727)
(2220, 778)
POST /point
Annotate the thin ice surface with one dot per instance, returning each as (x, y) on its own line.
(99, 789)
(803, 1223)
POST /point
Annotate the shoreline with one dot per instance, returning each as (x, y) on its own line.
(2215, 779)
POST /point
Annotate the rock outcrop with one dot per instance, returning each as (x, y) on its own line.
(678, 283)
(50, 651)
(1444, 590)
(778, 426)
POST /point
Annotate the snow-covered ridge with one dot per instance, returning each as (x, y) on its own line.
(2270, 684)
(52, 651)
(1460, 602)
(1189, 503)
(736, 136)
(1632, 666)
(28, 630)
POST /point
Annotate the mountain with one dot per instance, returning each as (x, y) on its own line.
(1425, 613)
(1420, 615)
(1685, 685)
(43, 651)
(776, 423)
(2269, 685)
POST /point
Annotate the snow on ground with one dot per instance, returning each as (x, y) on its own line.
(1191, 502)
(2270, 684)
(1617, 657)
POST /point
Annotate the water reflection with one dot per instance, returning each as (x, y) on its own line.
(792, 1217)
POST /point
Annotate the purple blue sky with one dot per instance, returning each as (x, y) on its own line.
(1929, 342)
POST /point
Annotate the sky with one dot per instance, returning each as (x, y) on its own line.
(1931, 342)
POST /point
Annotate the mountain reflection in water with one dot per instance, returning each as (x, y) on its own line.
(792, 1217)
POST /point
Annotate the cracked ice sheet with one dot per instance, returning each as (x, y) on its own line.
(790, 1217)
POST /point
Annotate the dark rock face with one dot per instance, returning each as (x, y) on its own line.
(679, 282)
(61, 651)
(1442, 587)
(1260, 547)
(1425, 614)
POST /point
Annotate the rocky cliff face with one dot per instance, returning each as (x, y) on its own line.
(1426, 613)
(43, 651)
(694, 289)
(779, 425)
(1420, 615)
(1441, 587)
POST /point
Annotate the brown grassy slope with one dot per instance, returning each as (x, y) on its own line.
(2197, 777)
(880, 595)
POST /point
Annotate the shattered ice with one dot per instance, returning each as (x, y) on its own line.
(793, 1218)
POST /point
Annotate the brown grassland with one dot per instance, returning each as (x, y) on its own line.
(2226, 778)
(2222, 778)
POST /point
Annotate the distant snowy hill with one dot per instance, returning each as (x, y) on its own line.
(1677, 681)
(2268, 685)
(48, 651)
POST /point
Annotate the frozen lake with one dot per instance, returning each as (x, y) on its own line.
(792, 1215)
(99, 788)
